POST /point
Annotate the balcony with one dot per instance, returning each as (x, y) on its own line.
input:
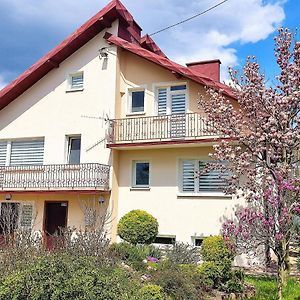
(176, 128)
(55, 177)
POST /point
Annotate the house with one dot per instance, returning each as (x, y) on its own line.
(106, 121)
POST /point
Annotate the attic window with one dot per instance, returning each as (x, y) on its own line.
(75, 82)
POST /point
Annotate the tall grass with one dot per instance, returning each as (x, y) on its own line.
(267, 289)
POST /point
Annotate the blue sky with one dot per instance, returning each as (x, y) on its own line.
(29, 29)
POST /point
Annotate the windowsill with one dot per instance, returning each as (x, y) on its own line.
(142, 188)
(139, 113)
(203, 195)
(74, 90)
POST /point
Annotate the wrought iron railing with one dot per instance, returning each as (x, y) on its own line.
(164, 127)
(60, 176)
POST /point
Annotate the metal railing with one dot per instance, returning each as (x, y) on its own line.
(164, 127)
(60, 176)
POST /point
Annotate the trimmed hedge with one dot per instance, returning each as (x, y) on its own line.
(138, 227)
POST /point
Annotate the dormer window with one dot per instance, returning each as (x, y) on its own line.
(75, 82)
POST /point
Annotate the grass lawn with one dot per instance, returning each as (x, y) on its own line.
(266, 288)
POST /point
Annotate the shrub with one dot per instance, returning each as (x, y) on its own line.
(60, 276)
(176, 283)
(233, 286)
(215, 249)
(130, 254)
(138, 227)
(214, 273)
(151, 292)
(182, 253)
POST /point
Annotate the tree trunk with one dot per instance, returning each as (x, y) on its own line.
(267, 257)
(287, 261)
(280, 278)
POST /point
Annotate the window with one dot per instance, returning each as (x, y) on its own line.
(194, 178)
(14, 215)
(171, 100)
(141, 174)
(165, 240)
(76, 82)
(74, 150)
(27, 152)
(137, 101)
(22, 152)
(197, 241)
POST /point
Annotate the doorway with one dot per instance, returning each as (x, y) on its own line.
(55, 219)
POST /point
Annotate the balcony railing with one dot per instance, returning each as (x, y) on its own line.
(164, 127)
(86, 176)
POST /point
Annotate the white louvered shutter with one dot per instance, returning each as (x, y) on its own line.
(27, 153)
(3, 149)
(162, 101)
(178, 104)
(212, 181)
(26, 216)
(77, 81)
(188, 176)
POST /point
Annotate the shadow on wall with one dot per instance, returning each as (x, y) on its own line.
(47, 85)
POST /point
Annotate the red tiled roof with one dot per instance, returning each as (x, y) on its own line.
(129, 30)
(103, 19)
(164, 62)
(149, 44)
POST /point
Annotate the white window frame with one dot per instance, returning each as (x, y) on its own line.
(194, 238)
(68, 140)
(134, 163)
(129, 100)
(196, 191)
(168, 85)
(70, 88)
(21, 204)
(9, 144)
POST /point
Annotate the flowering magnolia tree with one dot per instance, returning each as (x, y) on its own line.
(261, 145)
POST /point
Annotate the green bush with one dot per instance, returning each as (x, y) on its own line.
(64, 277)
(233, 286)
(138, 227)
(151, 292)
(177, 282)
(215, 249)
(217, 266)
(132, 255)
(214, 273)
(182, 253)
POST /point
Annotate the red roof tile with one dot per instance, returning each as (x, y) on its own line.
(129, 29)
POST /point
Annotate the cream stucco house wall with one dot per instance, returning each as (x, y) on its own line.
(106, 119)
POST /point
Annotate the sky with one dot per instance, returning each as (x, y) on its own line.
(231, 32)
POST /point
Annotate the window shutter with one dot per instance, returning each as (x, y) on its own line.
(26, 216)
(27, 153)
(3, 149)
(188, 176)
(162, 101)
(212, 181)
(77, 81)
(178, 104)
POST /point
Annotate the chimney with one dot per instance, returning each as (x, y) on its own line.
(209, 68)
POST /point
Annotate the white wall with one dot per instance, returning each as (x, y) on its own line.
(182, 216)
(46, 110)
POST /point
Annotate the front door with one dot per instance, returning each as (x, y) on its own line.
(55, 220)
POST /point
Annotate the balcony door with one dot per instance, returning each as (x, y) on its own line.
(55, 220)
(172, 101)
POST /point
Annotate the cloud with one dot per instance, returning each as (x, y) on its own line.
(3, 83)
(220, 33)
(217, 34)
